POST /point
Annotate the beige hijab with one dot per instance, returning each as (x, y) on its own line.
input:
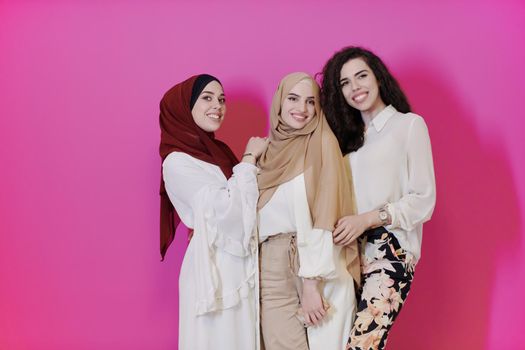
(314, 151)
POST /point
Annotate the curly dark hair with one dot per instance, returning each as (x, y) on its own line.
(346, 121)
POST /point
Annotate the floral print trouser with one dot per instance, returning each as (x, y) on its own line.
(387, 273)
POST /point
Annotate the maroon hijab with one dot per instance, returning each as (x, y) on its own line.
(180, 133)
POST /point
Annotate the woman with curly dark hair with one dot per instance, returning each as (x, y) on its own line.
(389, 153)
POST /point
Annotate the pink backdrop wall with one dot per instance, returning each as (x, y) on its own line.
(80, 84)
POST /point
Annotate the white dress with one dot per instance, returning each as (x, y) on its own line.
(288, 211)
(218, 279)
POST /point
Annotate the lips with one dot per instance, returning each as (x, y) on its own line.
(214, 116)
(298, 116)
(360, 97)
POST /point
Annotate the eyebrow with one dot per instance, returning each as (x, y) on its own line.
(211, 93)
(356, 74)
(361, 71)
(295, 95)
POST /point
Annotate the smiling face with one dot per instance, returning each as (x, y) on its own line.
(298, 107)
(360, 87)
(209, 108)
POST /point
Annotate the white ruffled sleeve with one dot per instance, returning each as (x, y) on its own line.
(315, 246)
(227, 206)
(222, 213)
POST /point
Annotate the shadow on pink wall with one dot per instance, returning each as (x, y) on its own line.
(246, 117)
(449, 305)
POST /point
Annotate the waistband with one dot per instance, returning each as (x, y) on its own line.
(285, 235)
(374, 233)
(289, 239)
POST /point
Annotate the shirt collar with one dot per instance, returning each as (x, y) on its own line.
(380, 120)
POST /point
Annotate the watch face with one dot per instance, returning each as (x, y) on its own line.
(383, 215)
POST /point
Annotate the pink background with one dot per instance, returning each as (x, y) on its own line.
(80, 84)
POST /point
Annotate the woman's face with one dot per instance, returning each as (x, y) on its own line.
(298, 107)
(209, 108)
(359, 86)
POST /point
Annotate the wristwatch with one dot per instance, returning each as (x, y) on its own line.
(383, 216)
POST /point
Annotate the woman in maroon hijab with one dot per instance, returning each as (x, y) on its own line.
(206, 188)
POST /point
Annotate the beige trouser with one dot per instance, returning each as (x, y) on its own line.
(280, 289)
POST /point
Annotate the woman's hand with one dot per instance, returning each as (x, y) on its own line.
(349, 228)
(312, 303)
(255, 146)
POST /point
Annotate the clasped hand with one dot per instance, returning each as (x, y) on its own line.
(349, 228)
(312, 303)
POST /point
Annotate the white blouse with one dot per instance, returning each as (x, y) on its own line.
(222, 213)
(394, 167)
(288, 211)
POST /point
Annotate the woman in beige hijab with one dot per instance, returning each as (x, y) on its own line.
(307, 282)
